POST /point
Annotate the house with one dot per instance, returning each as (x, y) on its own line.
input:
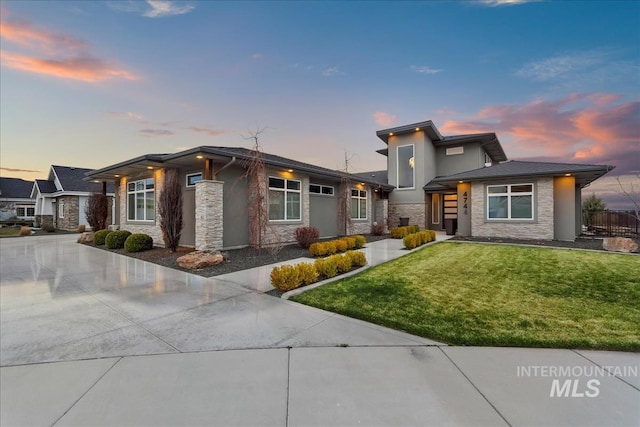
(61, 199)
(15, 200)
(463, 184)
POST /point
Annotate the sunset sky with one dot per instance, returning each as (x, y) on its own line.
(89, 84)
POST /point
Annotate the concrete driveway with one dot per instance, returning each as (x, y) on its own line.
(132, 343)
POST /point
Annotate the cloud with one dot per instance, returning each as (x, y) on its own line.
(257, 56)
(584, 128)
(18, 170)
(126, 115)
(59, 55)
(384, 119)
(332, 71)
(152, 8)
(424, 69)
(156, 132)
(561, 66)
(207, 131)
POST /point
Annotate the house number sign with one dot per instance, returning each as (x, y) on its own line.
(464, 202)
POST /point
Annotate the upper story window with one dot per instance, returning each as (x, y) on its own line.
(284, 199)
(358, 204)
(326, 190)
(511, 201)
(141, 201)
(406, 166)
(192, 178)
(451, 151)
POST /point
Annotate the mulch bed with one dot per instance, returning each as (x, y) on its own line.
(580, 243)
(235, 259)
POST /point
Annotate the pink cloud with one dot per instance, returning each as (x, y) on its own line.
(207, 131)
(384, 119)
(591, 128)
(59, 55)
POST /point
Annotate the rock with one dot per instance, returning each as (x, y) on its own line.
(86, 237)
(196, 260)
(619, 244)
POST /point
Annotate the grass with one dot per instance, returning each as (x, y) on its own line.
(492, 295)
(9, 231)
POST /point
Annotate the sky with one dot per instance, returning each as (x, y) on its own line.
(93, 83)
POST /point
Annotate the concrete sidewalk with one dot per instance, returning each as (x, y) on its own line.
(94, 338)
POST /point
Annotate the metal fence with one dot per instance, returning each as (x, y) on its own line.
(610, 223)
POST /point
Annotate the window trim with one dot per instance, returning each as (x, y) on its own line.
(285, 190)
(322, 187)
(61, 208)
(358, 197)
(454, 151)
(413, 169)
(144, 191)
(509, 194)
(189, 175)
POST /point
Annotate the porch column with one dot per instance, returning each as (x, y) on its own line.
(209, 227)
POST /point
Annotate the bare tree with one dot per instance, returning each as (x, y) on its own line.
(97, 211)
(344, 199)
(170, 209)
(256, 176)
(633, 194)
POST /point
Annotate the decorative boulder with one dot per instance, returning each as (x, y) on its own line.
(619, 244)
(86, 237)
(197, 260)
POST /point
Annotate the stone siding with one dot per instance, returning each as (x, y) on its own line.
(414, 211)
(209, 215)
(44, 219)
(541, 228)
(71, 213)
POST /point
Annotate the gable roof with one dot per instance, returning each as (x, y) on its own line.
(45, 186)
(72, 179)
(184, 158)
(584, 174)
(15, 188)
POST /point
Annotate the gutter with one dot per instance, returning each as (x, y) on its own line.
(226, 165)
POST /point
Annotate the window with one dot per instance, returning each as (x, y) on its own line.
(511, 201)
(284, 199)
(31, 211)
(326, 190)
(358, 204)
(192, 178)
(451, 151)
(61, 209)
(406, 166)
(141, 200)
(435, 208)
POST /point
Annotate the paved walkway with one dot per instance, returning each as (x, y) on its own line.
(94, 338)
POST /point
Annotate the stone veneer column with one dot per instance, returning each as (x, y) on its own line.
(209, 226)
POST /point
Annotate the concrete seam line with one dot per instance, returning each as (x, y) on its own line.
(286, 421)
(474, 386)
(85, 393)
(597, 364)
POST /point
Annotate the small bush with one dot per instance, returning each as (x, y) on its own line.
(285, 277)
(357, 259)
(81, 228)
(49, 228)
(308, 273)
(138, 242)
(100, 236)
(25, 231)
(414, 240)
(433, 235)
(360, 241)
(411, 241)
(377, 229)
(326, 267)
(343, 263)
(351, 242)
(317, 249)
(116, 239)
(330, 247)
(398, 232)
(341, 245)
(413, 228)
(306, 236)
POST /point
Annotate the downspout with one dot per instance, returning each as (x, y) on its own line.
(226, 165)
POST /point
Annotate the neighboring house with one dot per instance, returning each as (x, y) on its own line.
(453, 183)
(61, 199)
(15, 200)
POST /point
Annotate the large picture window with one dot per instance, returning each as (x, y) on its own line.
(141, 200)
(358, 204)
(511, 201)
(406, 166)
(284, 199)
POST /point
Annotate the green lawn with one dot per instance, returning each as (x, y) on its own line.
(491, 295)
(9, 231)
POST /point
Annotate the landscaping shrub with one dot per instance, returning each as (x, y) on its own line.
(306, 236)
(413, 228)
(327, 267)
(330, 247)
(341, 245)
(100, 236)
(402, 232)
(377, 229)
(358, 259)
(97, 211)
(116, 239)
(285, 277)
(49, 228)
(360, 241)
(414, 240)
(25, 231)
(351, 242)
(317, 249)
(81, 228)
(138, 242)
(411, 241)
(307, 272)
(343, 263)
